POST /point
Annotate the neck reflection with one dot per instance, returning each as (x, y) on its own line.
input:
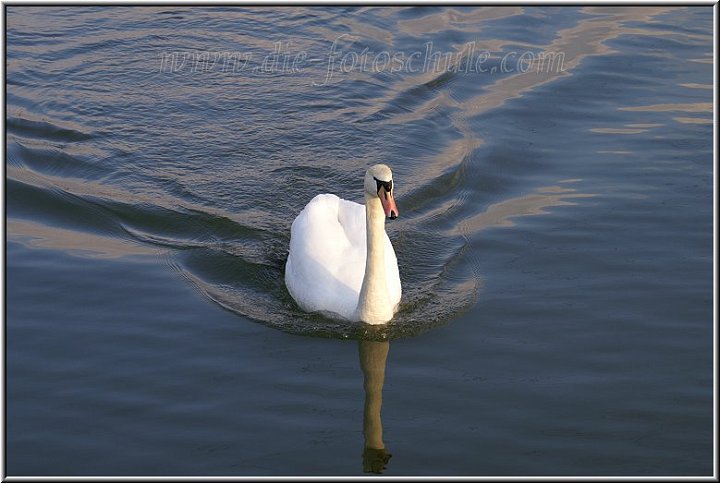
(373, 358)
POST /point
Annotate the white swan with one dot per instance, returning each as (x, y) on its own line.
(341, 261)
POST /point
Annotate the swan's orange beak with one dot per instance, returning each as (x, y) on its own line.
(388, 203)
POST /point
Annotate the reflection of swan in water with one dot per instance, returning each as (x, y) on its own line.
(373, 357)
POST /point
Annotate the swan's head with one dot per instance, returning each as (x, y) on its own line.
(379, 182)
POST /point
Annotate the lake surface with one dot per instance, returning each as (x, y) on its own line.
(554, 175)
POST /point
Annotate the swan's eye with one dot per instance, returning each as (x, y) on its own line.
(383, 184)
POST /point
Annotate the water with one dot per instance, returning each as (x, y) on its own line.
(555, 240)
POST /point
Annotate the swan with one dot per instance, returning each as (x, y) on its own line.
(341, 262)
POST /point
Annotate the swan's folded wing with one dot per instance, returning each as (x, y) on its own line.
(352, 219)
(320, 262)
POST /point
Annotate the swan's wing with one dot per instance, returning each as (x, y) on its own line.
(351, 271)
(351, 216)
(323, 263)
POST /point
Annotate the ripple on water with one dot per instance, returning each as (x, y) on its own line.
(221, 215)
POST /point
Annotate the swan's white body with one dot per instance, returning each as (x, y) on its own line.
(341, 262)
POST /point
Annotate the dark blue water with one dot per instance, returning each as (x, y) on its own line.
(554, 174)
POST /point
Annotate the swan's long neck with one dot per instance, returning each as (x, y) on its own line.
(374, 303)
